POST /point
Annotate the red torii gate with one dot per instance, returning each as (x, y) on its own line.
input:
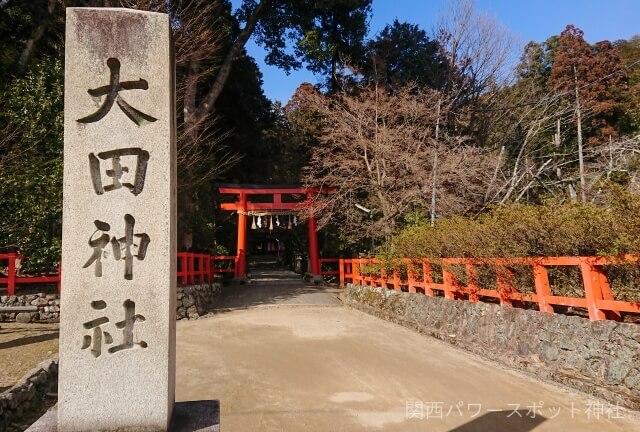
(243, 205)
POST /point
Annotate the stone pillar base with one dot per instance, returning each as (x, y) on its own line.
(192, 416)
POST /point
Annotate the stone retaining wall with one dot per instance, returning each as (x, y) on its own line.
(601, 358)
(29, 395)
(48, 308)
(194, 301)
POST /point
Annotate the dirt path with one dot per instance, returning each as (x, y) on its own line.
(22, 347)
(293, 368)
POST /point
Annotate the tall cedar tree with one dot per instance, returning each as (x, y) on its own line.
(597, 72)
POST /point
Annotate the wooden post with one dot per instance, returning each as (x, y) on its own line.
(449, 281)
(11, 287)
(411, 281)
(314, 255)
(427, 277)
(183, 268)
(241, 250)
(596, 288)
(543, 290)
(314, 260)
(472, 283)
(59, 283)
(191, 269)
(396, 280)
(355, 271)
(504, 285)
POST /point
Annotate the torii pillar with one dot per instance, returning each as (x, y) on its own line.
(241, 251)
(314, 259)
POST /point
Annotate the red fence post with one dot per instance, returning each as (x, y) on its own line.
(383, 277)
(11, 285)
(543, 290)
(596, 288)
(355, 271)
(396, 279)
(427, 277)
(190, 265)
(201, 268)
(472, 282)
(59, 283)
(341, 271)
(605, 290)
(448, 280)
(184, 269)
(411, 281)
(504, 284)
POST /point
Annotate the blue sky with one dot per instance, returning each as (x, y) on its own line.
(527, 19)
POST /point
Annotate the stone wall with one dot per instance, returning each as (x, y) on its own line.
(28, 396)
(196, 300)
(48, 308)
(601, 358)
(193, 302)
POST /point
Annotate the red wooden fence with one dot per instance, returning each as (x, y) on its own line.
(11, 280)
(598, 299)
(201, 268)
(192, 268)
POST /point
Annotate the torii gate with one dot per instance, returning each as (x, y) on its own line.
(243, 206)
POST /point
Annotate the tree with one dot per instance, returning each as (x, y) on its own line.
(630, 99)
(401, 54)
(595, 72)
(535, 64)
(31, 164)
(324, 31)
(376, 149)
(590, 74)
(328, 34)
(478, 48)
(292, 137)
(26, 30)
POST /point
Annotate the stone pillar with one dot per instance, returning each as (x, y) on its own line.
(117, 330)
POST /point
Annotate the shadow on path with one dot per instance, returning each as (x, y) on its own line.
(29, 340)
(503, 421)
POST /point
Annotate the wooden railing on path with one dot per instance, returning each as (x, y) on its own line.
(12, 279)
(201, 268)
(192, 268)
(598, 299)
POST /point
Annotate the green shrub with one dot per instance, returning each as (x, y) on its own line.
(609, 227)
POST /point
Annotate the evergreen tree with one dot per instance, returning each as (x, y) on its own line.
(401, 54)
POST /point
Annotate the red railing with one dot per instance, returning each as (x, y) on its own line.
(13, 279)
(201, 268)
(598, 299)
(192, 268)
(329, 266)
(341, 267)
